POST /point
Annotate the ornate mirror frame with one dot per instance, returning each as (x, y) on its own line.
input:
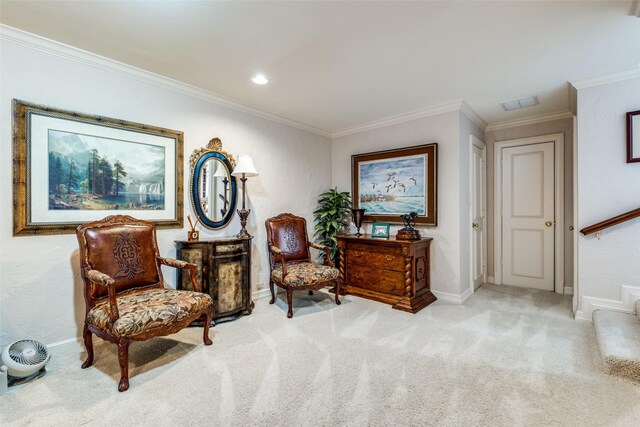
(198, 159)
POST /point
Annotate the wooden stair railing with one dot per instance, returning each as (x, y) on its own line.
(611, 222)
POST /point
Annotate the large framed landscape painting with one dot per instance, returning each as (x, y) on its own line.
(70, 168)
(394, 182)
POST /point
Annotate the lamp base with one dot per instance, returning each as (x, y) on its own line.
(244, 214)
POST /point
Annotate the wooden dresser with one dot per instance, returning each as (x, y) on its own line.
(224, 272)
(392, 271)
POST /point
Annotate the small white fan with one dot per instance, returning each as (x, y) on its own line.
(24, 359)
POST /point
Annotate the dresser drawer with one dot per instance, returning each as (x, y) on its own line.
(231, 248)
(389, 260)
(375, 279)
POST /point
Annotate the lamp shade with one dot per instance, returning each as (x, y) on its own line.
(244, 166)
(221, 171)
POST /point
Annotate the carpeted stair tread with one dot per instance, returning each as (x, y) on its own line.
(619, 341)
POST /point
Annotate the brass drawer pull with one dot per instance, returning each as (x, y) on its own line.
(357, 254)
(358, 276)
(389, 258)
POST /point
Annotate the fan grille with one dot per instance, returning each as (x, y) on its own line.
(28, 352)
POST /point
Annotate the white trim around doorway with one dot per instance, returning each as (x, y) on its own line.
(473, 140)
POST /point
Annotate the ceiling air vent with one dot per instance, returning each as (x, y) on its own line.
(520, 103)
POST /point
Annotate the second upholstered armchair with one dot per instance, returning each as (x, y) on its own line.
(290, 259)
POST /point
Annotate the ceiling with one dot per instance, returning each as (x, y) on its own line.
(339, 65)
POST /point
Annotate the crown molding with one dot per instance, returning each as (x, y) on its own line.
(23, 38)
(629, 74)
(51, 47)
(541, 118)
(472, 115)
(400, 118)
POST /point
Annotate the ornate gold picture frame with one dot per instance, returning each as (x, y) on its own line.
(70, 168)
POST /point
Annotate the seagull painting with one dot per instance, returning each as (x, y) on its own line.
(414, 180)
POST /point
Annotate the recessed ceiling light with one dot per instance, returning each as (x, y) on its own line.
(259, 79)
(520, 103)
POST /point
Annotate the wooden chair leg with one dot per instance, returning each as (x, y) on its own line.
(273, 294)
(88, 343)
(123, 358)
(207, 323)
(290, 302)
(338, 292)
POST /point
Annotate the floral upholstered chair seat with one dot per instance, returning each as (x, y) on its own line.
(305, 274)
(147, 310)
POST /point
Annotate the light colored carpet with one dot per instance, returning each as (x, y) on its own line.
(506, 357)
(619, 341)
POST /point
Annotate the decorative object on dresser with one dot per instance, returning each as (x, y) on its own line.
(408, 232)
(213, 188)
(290, 261)
(392, 182)
(193, 234)
(392, 271)
(358, 216)
(124, 289)
(71, 168)
(244, 169)
(331, 215)
(379, 229)
(223, 267)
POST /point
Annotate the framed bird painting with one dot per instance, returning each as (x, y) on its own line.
(394, 182)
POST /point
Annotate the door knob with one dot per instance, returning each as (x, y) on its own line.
(548, 223)
(475, 225)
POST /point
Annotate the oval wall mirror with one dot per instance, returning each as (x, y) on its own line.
(213, 189)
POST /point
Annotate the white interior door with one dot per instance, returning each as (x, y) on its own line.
(478, 213)
(528, 194)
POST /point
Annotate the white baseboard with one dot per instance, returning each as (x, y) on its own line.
(454, 298)
(262, 293)
(568, 290)
(629, 295)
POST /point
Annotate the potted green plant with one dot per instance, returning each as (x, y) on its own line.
(331, 215)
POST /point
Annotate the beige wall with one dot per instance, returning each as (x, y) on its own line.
(555, 126)
(40, 284)
(606, 186)
(443, 129)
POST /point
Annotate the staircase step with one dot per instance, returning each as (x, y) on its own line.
(638, 308)
(619, 340)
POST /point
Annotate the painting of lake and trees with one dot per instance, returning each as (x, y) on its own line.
(88, 172)
(391, 186)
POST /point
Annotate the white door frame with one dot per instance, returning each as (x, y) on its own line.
(558, 140)
(473, 140)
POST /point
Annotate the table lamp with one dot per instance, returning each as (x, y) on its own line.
(244, 168)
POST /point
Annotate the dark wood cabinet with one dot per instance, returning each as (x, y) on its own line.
(392, 271)
(224, 272)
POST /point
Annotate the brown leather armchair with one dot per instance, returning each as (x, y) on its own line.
(290, 260)
(124, 289)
